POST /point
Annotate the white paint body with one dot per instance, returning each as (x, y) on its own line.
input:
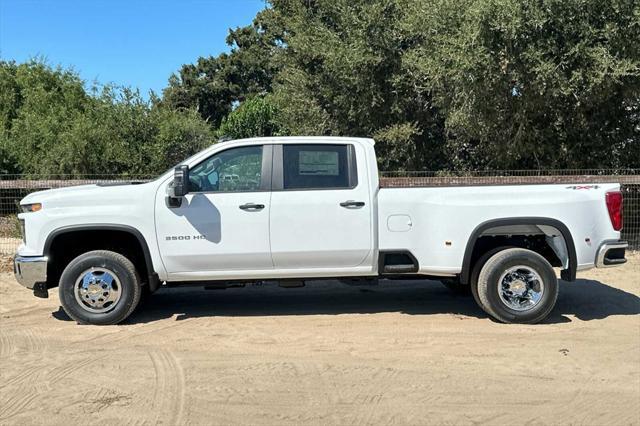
(302, 234)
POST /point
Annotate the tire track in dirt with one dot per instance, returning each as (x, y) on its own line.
(169, 391)
(24, 378)
(23, 341)
(367, 392)
(27, 385)
(16, 403)
(6, 345)
(128, 334)
(60, 373)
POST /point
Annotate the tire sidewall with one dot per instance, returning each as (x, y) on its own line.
(542, 268)
(475, 273)
(72, 273)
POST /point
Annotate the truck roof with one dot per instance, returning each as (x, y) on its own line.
(292, 139)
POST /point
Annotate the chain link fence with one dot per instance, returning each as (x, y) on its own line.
(14, 187)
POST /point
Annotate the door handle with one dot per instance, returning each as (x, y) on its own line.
(252, 206)
(350, 203)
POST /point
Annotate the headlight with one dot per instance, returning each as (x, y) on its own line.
(30, 208)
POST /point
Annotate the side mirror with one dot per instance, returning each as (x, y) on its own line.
(179, 187)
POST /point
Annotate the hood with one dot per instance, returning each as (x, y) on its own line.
(39, 196)
(82, 194)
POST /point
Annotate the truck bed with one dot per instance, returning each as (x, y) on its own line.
(429, 180)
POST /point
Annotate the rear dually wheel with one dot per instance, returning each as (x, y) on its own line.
(517, 286)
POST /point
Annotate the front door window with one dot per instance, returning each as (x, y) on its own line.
(233, 170)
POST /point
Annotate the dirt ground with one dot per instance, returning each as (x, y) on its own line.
(399, 353)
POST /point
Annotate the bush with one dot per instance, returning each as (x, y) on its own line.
(255, 117)
(52, 125)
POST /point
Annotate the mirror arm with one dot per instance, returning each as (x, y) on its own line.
(174, 202)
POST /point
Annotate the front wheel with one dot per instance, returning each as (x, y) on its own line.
(99, 287)
(517, 286)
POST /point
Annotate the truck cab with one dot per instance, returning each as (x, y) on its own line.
(303, 208)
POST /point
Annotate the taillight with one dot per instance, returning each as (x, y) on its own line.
(614, 205)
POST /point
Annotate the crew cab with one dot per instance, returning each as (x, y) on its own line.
(295, 209)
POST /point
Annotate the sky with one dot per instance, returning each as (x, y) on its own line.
(136, 43)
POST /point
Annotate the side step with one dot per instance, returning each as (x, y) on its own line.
(397, 262)
(399, 269)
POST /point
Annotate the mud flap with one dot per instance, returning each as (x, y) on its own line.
(40, 290)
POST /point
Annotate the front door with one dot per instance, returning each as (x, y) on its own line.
(223, 223)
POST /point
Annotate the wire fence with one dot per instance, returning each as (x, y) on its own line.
(15, 187)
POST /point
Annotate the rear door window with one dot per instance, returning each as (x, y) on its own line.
(318, 167)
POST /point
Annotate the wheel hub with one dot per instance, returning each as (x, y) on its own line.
(98, 290)
(517, 287)
(520, 288)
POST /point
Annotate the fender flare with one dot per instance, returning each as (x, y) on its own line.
(567, 274)
(153, 280)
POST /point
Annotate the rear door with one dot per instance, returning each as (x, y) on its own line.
(320, 207)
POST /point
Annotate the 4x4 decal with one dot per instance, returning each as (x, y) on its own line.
(583, 187)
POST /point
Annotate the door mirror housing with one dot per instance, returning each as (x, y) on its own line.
(179, 187)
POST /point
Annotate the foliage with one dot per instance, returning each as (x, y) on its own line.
(51, 125)
(471, 84)
(343, 74)
(255, 117)
(440, 85)
(548, 84)
(213, 85)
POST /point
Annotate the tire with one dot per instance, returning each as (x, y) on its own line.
(517, 286)
(475, 272)
(86, 277)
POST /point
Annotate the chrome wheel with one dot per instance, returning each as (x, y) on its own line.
(520, 288)
(98, 290)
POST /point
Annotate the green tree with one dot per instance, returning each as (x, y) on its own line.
(255, 117)
(545, 84)
(477, 84)
(9, 104)
(213, 85)
(49, 103)
(179, 135)
(472, 84)
(52, 125)
(344, 74)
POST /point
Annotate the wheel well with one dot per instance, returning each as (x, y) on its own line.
(535, 243)
(65, 246)
(547, 237)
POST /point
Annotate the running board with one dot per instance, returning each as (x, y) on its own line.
(399, 269)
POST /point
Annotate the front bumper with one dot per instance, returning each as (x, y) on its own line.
(611, 254)
(30, 270)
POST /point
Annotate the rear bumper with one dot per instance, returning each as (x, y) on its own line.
(611, 254)
(30, 270)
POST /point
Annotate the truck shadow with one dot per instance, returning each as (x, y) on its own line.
(585, 299)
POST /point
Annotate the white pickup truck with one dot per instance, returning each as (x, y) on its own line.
(296, 209)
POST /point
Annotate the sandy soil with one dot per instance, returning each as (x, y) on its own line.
(400, 353)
